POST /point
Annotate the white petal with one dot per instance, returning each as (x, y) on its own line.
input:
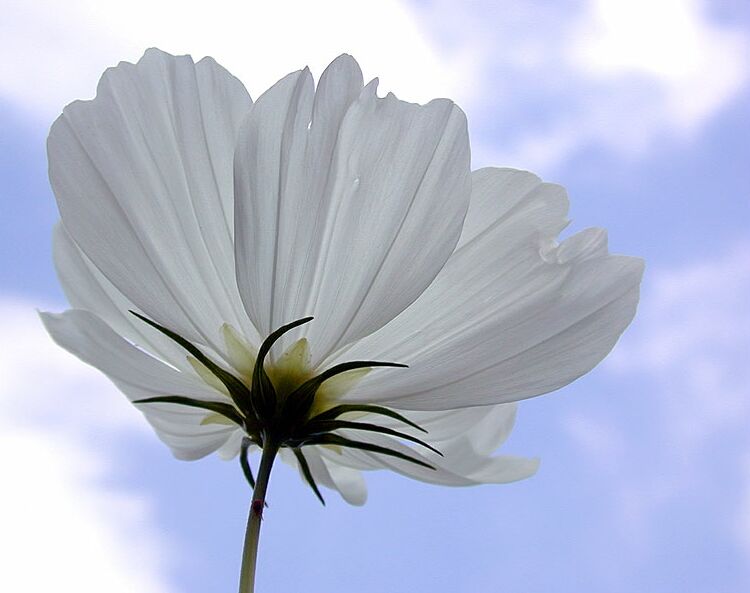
(512, 315)
(346, 481)
(467, 438)
(281, 173)
(231, 448)
(461, 465)
(349, 482)
(504, 469)
(87, 288)
(313, 460)
(185, 436)
(347, 205)
(318, 469)
(269, 151)
(486, 427)
(139, 375)
(143, 179)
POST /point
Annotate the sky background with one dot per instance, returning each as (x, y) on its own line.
(640, 108)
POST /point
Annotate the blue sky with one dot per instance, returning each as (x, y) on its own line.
(641, 111)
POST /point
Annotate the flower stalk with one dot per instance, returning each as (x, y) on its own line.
(255, 516)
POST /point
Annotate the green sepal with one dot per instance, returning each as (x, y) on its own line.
(324, 426)
(337, 411)
(245, 462)
(226, 410)
(302, 398)
(264, 394)
(307, 473)
(334, 439)
(239, 393)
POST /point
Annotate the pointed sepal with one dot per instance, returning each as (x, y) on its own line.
(334, 439)
(301, 400)
(325, 426)
(305, 467)
(239, 393)
(226, 410)
(264, 398)
(341, 409)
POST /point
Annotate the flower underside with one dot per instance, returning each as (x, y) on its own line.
(284, 410)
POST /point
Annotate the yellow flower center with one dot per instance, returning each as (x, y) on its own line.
(288, 372)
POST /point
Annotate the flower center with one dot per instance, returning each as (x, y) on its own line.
(287, 373)
(284, 403)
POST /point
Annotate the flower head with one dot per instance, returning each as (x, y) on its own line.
(200, 232)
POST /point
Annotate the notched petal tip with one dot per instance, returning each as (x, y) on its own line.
(588, 243)
(56, 323)
(371, 88)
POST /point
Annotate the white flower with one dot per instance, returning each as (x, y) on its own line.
(221, 220)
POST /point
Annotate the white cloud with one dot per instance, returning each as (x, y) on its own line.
(604, 443)
(692, 336)
(698, 65)
(63, 528)
(611, 73)
(55, 53)
(686, 361)
(618, 74)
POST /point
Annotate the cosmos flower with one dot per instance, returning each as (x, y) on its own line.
(202, 231)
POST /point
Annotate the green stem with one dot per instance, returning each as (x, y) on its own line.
(252, 533)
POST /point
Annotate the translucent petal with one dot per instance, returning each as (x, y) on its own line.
(138, 375)
(512, 315)
(240, 354)
(347, 204)
(349, 482)
(207, 376)
(486, 427)
(143, 179)
(346, 481)
(87, 288)
(231, 448)
(461, 464)
(467, 438)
